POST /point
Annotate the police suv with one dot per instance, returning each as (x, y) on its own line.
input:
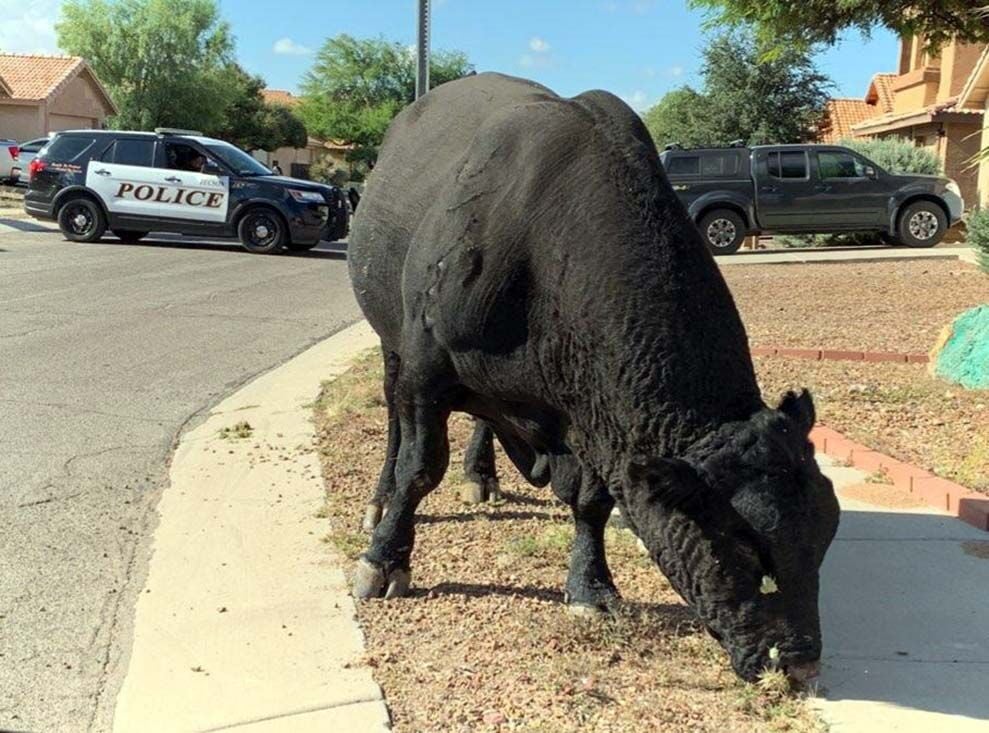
(176, 181)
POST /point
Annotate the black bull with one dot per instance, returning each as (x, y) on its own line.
(524, 259)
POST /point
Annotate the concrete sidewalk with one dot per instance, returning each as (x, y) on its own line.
(843, 254)
(245, 622)
(905, 618)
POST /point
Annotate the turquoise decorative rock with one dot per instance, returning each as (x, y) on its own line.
(962, 353)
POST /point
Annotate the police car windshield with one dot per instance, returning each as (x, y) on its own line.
(239, 161)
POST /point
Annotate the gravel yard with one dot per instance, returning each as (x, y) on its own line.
(484, 643)
(876, 306)
(898, 409)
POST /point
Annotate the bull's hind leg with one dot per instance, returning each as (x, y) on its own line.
(386, 480)
(385, 570)
(590, 588)
(479, 466)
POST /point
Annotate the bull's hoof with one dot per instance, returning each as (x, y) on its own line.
(471, 493)
(370, 581)
(372, 515)
(586, 610)
(493, 491)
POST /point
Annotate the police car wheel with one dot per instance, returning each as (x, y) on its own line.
(129, 235)
(81, 220)
(261, 231)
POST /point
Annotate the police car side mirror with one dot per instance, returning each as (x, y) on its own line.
(870, 172)
(212, 169)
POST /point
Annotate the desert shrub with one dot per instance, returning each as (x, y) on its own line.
(978, 236)
(897, 155)
(324, 171)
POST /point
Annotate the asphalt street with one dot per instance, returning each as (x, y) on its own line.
(107, 352)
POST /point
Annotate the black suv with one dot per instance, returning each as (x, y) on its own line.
(176, 181)
(807, 189)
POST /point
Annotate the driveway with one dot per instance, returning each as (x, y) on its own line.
(108, 352)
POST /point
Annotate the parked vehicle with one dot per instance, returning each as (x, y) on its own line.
(10, 166)
(807, 189)
(28, 151)
(177, 181)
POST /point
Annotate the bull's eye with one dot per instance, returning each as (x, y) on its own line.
(768, 585)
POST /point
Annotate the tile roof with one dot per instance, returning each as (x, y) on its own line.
(881, 92)
(841, 115)
(36, 77)
(911, 117)
(279, 96)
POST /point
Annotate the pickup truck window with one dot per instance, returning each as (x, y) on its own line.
(684, 165)
(719, 164)
(836, 164)
(788, 164)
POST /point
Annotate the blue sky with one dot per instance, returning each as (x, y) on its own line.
(638, 49)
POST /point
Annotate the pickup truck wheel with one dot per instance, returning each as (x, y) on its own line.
(723, 231)
(922, 224)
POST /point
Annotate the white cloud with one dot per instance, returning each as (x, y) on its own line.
(288, 47)
(29, 27)
(675, 71)
(637, 100)
(539, 45)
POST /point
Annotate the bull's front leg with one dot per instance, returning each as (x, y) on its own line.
(590, 588)
(385, 569)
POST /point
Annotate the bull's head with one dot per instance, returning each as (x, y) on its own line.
(740, 526)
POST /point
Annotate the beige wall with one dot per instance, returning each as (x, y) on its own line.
(959, 59)
(79, 99)
(961, 144)
(69, 122)
(21, 122)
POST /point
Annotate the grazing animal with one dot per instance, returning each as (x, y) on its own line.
(524, 259)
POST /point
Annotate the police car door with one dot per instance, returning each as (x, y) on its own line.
(191, 194)
(123, 177)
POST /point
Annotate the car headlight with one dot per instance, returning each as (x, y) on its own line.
(307, 197)
(953, 188)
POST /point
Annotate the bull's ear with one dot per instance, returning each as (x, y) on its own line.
(800, 409)
(670, 482)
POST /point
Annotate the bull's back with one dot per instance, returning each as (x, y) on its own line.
(423, 152)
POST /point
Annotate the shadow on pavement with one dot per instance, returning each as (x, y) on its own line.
(326, 250)
(24, 226)
(905, 618)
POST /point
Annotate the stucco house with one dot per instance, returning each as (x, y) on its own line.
(934, 100)
(42, 94)
(296, 161)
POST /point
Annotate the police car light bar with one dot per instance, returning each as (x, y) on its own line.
(176, 131)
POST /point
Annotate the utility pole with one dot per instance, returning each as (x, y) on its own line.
(422, 50)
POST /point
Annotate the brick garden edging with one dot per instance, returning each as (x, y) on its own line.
(957, 500)
(838, 355)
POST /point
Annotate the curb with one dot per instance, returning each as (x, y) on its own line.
(245, 621)
(955, 499)
(838, 355)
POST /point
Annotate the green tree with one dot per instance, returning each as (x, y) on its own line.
(251, 123)
(680, 117)
(785, 23)
(746, 96)
(164, 62)
(357, 85)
